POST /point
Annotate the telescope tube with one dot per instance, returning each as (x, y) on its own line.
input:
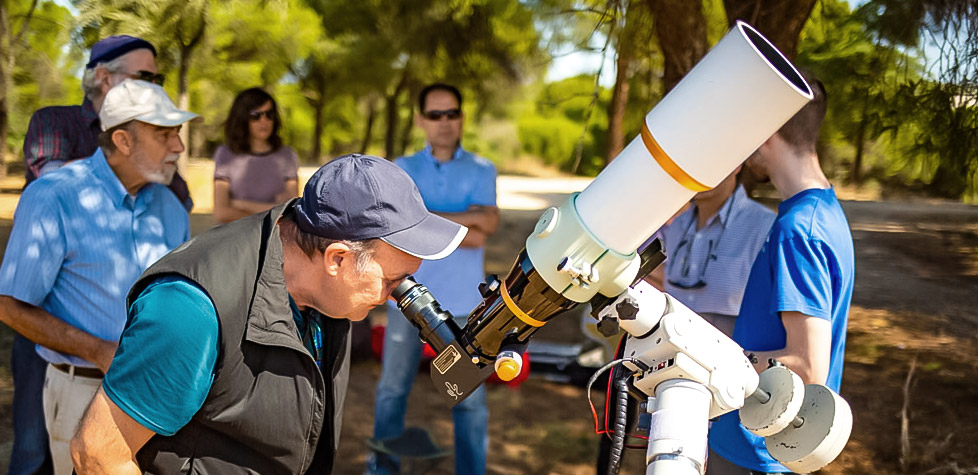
(733, 100)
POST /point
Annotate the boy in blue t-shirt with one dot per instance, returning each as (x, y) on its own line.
(796, 304)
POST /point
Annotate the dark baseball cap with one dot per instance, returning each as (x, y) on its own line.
(358, 197)
(110, 48)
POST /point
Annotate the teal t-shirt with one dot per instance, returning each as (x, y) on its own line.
(164, 367)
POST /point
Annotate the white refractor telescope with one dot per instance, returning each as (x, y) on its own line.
(585, 251)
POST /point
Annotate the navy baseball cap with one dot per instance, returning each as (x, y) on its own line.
(358, 197)
(110, 48)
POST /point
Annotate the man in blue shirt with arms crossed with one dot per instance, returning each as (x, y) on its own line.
(235, 356)
(82, 235)
(796, 304)
(460, 186)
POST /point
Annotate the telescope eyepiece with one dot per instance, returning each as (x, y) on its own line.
(402, 289)
(436, 326)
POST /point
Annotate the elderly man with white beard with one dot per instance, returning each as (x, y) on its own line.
(82, 235)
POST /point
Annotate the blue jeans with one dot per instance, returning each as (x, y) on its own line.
(30, 454)
(402, 355)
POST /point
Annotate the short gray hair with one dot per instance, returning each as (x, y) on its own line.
(310, 244)
(105, 138)
(91, 86)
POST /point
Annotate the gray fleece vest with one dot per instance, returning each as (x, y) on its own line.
(269, 410)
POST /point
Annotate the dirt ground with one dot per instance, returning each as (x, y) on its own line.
(914, 305)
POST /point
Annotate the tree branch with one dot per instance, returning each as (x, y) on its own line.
(613, 6)
(23, 25)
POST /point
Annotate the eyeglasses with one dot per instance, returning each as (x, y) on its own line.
(269, 114)
(436, 115)
(148, 76)
(711, 255)
(684, 269)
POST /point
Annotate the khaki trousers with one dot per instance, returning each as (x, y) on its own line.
(66, 397)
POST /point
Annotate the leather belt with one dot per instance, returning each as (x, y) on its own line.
(82, 371)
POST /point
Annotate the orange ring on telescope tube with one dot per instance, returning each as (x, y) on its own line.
(511, 305)
(667, 164)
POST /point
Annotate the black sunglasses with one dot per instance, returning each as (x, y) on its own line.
(436, 115)
(148, 76)
(255, 115)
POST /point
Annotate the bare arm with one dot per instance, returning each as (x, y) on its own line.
(227, 209)
(45, 329)
(291, 191)
(807, 349)
(107, 440)
(481, 221)
(224, 211)
(483, 218)
(251, 207)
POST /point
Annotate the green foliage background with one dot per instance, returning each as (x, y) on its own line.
(346, 75)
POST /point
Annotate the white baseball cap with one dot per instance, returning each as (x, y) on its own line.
(143, 101)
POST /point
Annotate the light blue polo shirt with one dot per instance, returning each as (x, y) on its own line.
(807, 265)
(80, 240)
(451, 187)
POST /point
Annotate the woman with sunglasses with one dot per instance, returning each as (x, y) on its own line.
(253, 171)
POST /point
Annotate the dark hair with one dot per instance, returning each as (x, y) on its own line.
(801, 131)
(105, 137)
(423, 95)
(310, 244)
(236, 131)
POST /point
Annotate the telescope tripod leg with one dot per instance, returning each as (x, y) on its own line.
(680, 421)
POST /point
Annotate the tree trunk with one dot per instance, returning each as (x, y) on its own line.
(391, 104)
(392, 118)
(369, 128)
(681, 29)
(780, 21)
(618, 105)
(318, 106)
(6, 71)
(183, 102)
(183, 82)
(857, 161)
(405, 138)
(317, 130)
(950, 178)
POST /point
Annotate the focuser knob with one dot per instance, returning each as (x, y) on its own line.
(608, 326)
(627, 309)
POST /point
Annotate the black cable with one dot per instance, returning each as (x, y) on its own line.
(597, 374)
(618, 438)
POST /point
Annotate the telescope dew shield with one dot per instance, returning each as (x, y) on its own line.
(733, 100)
